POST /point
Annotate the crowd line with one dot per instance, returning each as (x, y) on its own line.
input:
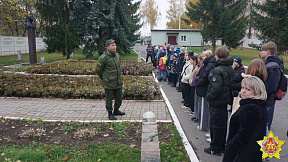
(213, 84)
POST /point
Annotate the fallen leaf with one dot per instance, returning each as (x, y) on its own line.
(2, 121)
(99, 159)
(66, 158)
(12, 127)
(111, 128)
(26, 125)
(93, 105)
(2, 154)
(106, 135)
(132, 145)
(18, 161)
(128, 156)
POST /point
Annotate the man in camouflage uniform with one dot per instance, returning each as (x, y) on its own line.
(108, 70)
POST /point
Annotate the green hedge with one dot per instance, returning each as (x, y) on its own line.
(16, 85)
(88, 67)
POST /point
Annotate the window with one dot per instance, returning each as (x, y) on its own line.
(183, 38)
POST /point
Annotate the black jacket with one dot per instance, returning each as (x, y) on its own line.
(247, 125)
(180, 62)
(203, 81)
(235, 83)
(219, 93)
(273, 79)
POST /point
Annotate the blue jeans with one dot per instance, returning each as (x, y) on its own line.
(270, 111)
(162, 74)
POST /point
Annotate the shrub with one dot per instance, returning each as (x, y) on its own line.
(88, 67)
(17, 85)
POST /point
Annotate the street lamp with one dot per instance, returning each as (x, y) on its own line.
(191, 35)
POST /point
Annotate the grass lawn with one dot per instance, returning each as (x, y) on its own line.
(247, 55)
(51, 57)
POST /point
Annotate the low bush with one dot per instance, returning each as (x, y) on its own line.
(88, 67)
(16, 85)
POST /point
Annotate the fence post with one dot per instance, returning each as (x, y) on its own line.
(1, 46)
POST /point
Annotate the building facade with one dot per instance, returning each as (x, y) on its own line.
(181, 37)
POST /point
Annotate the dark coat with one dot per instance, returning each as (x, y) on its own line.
(273, 79)
(247, 125)
(180, 62)
(219, 93)
(203, 81)
(235, 83)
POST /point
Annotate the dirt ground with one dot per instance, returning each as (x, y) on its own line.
(16, 132)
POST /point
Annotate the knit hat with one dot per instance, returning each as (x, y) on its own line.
(163, 48)
(175, 54)
(172, 48)
(178, 49)
(183, 49)
(238, 60)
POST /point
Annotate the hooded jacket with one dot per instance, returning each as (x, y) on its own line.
(203, 81)
(219, 93)
(108, 70)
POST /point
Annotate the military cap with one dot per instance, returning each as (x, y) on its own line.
(110, 41)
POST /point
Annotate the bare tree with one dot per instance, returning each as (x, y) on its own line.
(150, 13)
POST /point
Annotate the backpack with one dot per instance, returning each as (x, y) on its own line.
(282, 86)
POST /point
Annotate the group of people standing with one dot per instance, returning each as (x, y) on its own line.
(209, 82)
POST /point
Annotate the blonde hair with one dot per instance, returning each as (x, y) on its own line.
(257, 68)
(256, 85)
(207, 53)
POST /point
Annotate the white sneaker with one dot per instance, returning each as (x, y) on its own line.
(209, 140)
(198, 127)
(184, 107)
(207, 135)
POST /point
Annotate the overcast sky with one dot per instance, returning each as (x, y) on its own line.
(163, 7)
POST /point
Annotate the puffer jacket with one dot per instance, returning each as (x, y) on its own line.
(219, 93)
(186, 72)
(108, 70)
(203, 81)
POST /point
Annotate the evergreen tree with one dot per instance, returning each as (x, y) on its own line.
(219, 18)
(97, 21)
(270, 19)
(60, 35)
(233, 23)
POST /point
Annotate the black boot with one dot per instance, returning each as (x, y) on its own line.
(111, 116)
(117, 112)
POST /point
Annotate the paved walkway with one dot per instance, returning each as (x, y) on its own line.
(78, 110)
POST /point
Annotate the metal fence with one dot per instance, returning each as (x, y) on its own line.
(11, 45)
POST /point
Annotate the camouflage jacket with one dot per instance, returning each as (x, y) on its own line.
(108, 70)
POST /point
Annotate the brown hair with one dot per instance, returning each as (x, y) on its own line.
(271, 46)
(257, 68)
(199, 64)
(222, 51)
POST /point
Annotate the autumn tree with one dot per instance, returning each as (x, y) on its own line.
(175, 10)
(150, 13)
(270, 19)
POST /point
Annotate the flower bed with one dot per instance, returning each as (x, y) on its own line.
(88, 67)
(16, 85)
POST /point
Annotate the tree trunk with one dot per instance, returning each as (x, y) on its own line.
(213, 45)
(17, 30)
